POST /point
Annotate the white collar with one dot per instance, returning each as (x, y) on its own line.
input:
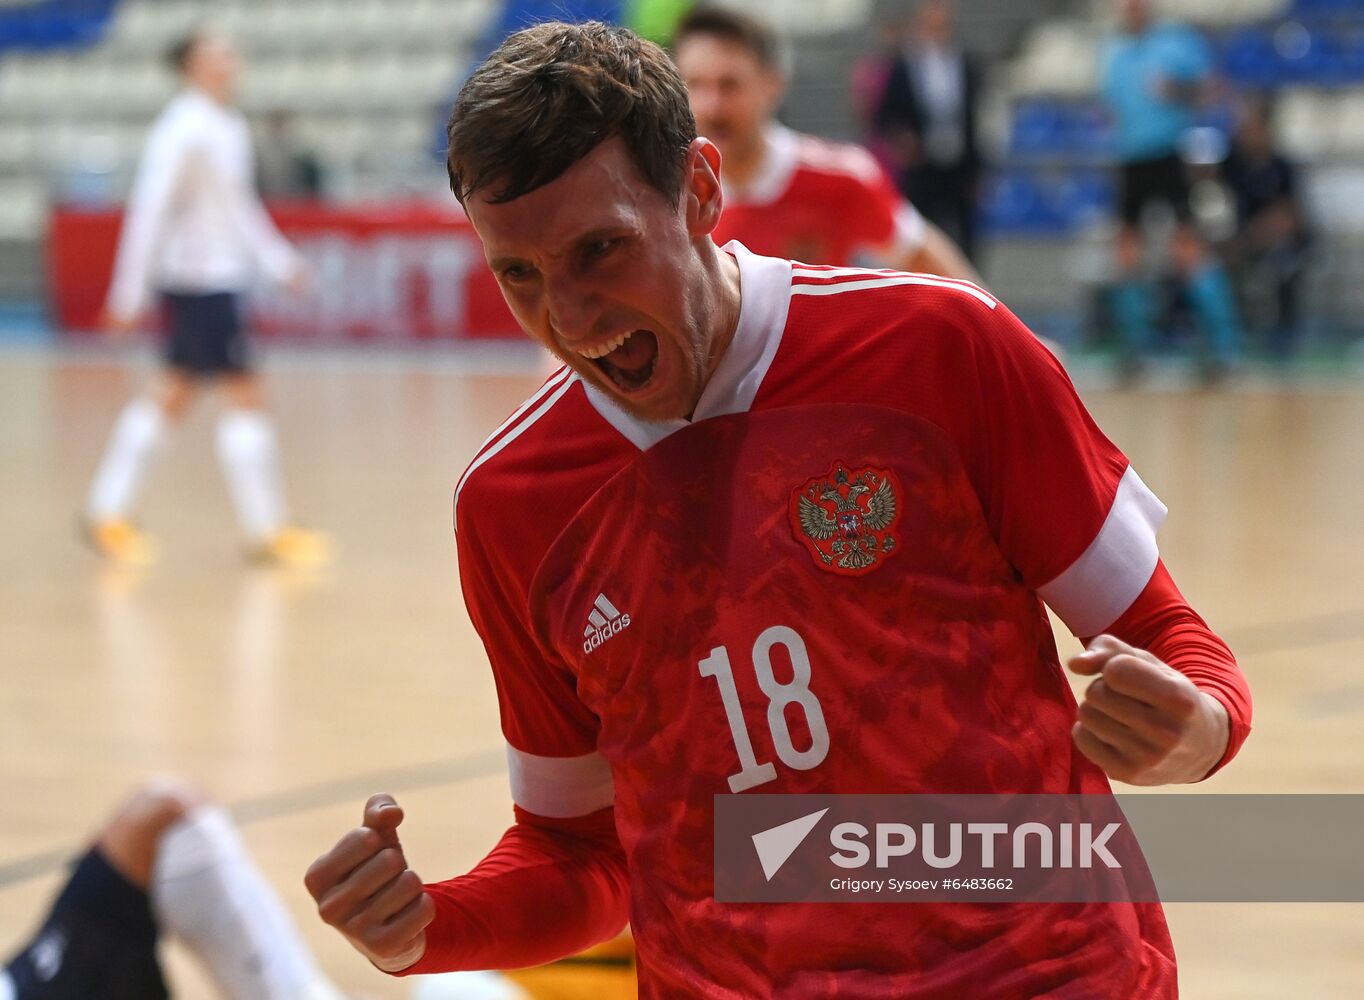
(202, 102)
(781, 156)
(764, 298)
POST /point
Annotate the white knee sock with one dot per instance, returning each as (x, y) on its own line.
(206, 890)
(137, 434)
(249, 454)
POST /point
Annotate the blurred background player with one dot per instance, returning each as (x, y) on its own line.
(195, 232)
(166, 860)
(1270, 250)
(788, 194)
(1154, 77)
(926, 120)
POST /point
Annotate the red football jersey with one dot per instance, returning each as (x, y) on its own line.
(830, 580)
(813, 199)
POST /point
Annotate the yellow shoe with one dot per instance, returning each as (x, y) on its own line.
(119, 541)
(294, 548)
(604, 972)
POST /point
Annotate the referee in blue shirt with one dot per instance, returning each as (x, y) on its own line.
(1153, 77)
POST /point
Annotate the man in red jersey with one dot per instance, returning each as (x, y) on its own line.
(662, 620)
(787, 194)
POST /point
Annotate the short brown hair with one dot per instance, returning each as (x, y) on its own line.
(182, 49)
(552, 93)
(748, 32)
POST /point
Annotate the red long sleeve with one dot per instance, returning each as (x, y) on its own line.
(1161, 621)
(550, 888)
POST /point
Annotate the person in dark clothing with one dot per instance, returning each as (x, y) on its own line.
(1269, 252)
(927, 119)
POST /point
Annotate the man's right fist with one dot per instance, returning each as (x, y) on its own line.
(365, 890)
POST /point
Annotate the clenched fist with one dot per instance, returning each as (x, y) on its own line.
(1143, 721)
(365, 890)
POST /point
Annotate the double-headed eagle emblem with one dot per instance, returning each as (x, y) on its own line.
(846, 518)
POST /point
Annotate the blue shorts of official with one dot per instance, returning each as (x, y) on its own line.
(98, 943)
(204, 334)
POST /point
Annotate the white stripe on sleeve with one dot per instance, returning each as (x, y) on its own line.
(1094, 591)
(564, 385)
(560, 787)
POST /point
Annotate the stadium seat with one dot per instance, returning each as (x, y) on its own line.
(147, 29)
(1304, 125)
(18, 147)
(23, 207)
(813, 17)
(53, 26)
(1049, 128)
(1087, 197)
(1350, 124)
(1217, 13)
(1059, 58)
(1249, 60)
(41, 84)
(1329, 7)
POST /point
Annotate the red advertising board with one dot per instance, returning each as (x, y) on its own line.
(386, 273)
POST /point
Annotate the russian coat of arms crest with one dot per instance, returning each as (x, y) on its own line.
(845, 518)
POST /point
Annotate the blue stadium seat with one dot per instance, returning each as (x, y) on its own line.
(1088, 196)
(1093, 136)
(1328, 7)
(1316, 54)
(1034, 128)
(1249, 58)
(1024, 202)
(1043, 127)
(54, 24)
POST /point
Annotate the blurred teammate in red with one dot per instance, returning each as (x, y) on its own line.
(775, 528)
(787, 194)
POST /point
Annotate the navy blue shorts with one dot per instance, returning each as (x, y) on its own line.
(204, 334)
(98, 943)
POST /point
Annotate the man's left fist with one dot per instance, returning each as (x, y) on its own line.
(1143, 721)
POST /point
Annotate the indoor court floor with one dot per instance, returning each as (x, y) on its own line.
(292, 697)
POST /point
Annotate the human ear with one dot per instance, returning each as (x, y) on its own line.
(703, 195)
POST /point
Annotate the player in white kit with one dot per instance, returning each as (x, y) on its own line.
(195, 236)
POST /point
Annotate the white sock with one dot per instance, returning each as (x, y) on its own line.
(133, 444)
(206, 890)
(249, 454)
(466, 986)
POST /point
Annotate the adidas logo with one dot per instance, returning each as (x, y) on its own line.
(604, 622)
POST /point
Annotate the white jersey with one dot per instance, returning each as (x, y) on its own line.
(194, 222)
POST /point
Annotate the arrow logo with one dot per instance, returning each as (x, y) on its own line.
(776, 845)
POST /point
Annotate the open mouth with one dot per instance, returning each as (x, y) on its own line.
(629, 360)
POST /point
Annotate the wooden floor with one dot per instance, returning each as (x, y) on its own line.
(293, 698)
